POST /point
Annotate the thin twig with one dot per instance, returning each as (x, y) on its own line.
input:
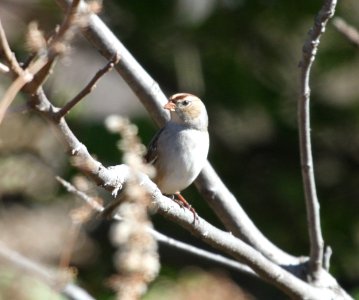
(9, 55)
(70, 19)
(327, 255)
(57, 44)
(350, 32)
(73, 190)
(25, 77)
(88, 88)
(4, 68)
(51, 278)
(147, 89)
(219, 259)
(42, 75)
(34, 75)
(312, 203)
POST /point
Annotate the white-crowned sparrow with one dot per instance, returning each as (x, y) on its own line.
(179, 149)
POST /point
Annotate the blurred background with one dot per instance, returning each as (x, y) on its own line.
(241, 57)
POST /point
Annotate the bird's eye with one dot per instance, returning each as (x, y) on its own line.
(185, 102)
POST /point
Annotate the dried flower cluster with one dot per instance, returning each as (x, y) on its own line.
(137, 259)
(35, 40)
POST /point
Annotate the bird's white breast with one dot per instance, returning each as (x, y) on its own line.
(187, 151)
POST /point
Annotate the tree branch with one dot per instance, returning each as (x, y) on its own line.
(88, 88)
(136, 77)
(350, 32)
(9, 55)
(57, 44)
(235, 219)
(222, 201)
(70, 19)
(70, 290)
(4, 68)
(312, 203)
(219, 259)
(23, 76)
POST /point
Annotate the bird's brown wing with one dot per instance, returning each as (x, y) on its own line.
(152, 153)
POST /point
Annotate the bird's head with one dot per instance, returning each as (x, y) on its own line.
(187, 109)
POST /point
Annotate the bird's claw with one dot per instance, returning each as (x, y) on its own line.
(182, 202)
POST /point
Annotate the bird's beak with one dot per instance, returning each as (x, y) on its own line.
(170, 106)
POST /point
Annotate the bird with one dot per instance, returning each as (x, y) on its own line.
(179, 150)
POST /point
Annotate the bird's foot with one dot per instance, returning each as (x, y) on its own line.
(182, 202)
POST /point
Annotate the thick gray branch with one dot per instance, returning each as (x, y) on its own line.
(226, 206)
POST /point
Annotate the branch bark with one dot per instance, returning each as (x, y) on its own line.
(312, 203)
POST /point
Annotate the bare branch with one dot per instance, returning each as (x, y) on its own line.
(88, 88)
(235, 219)
(74, 292)
(219, 259)
(221, 200)
(350, 32)
(57, 44)
(312, 204)
(51, 278)
(73, 190)
(25, 77)
(147, 90)
(327, 255)
(4, 68)
(70, 19)
(9, 55)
